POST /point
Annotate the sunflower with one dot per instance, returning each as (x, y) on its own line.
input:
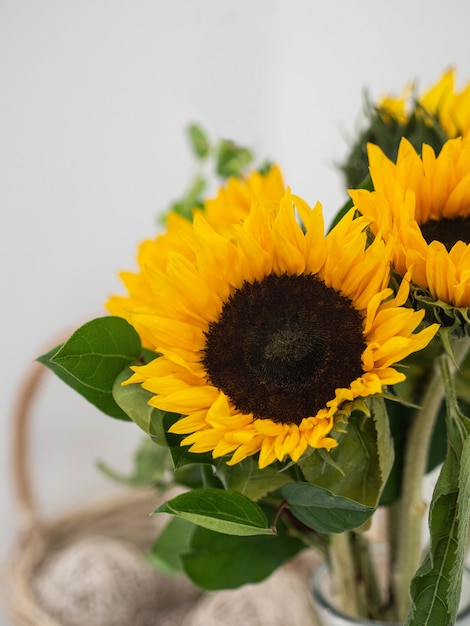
(422, 204)
(268, 335)
(232, 202)
(230, 205)
(396, 108)
(451, 108)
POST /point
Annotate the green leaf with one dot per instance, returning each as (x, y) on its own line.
(435, 589)
(133, 400)
(247, 478)
(323, 511)
(198, 140)
(93, 357)
(171, 544)
(222, 511)
(232, 159)
(437, 580)
(385, 452)
(361, 463)
(227, 562)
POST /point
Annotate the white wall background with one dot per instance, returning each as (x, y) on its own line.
(94, 97)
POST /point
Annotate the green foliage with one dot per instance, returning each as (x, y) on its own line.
(173, 541)
(232, 159)
(217, 561)
(386, 131)
(192, 199)
(417, 368)
(215, 163)
(222, 511)
(435, 589)
(198, 140)
(93, 357)
(359, 466)
(322, 510)
(247, 478)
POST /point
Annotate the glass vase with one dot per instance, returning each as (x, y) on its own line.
(329, 615)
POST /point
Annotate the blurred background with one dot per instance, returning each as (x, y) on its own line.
(95, 98)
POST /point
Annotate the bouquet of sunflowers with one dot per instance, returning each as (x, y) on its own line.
(296, 384)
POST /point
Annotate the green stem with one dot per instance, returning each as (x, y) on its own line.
(368, 581)
(343, 573)
(412, 507)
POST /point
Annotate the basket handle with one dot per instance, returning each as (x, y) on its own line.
(26, 509)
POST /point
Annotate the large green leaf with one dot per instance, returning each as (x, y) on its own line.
(436, 587)
(322, 511)
(227, 512)
(93, 357)
(359, 466)
(173, 541)
(218, 561)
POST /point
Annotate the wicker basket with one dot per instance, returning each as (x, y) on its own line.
(116, 529)
(121, 525)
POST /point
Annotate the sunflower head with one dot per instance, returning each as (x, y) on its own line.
(421, 204)
(269, 333)
(440, 113)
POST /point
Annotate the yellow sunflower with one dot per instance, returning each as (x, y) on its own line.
(442, 100)
(422, 204)
(230, 205)
(232, 202)
(451, 107)
(396, 108)
(268, 335)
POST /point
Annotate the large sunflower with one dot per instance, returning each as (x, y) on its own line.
(268, 334)
(230, 205)
(422, 204)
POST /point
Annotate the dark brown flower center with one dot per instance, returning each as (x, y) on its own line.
(281, 347)
(447, 230)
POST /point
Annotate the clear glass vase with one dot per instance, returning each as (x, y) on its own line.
(329, 615)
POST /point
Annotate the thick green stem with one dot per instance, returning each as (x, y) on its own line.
(343, 574)
(412, 507)
(368, 580)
